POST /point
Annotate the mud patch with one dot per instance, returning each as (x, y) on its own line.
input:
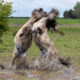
(59, 73)
(63, 74)
(44, 63)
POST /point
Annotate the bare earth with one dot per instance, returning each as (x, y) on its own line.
(72, 73)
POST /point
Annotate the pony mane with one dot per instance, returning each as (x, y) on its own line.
(51, 24)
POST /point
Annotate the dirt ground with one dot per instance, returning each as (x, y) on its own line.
(72, 73)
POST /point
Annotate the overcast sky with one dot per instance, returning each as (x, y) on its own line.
(25, 7)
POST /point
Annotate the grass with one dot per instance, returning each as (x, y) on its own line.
(68, 45)
(68, 21)
(60, 21)
(17, 20)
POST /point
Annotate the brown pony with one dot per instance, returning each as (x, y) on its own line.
(23, 38)
(41, 38)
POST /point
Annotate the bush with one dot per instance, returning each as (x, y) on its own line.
(5, 11)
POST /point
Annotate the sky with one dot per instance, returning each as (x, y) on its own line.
(23, 8)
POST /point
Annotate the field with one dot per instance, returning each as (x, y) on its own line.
(67, 44)
(59, 21)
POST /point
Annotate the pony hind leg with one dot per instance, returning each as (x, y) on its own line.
(19, 57)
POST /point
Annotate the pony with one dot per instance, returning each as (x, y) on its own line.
(43, 41)
(23, 39)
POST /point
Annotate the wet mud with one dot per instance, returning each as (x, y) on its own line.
(42, 71)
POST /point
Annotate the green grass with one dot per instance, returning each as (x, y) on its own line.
(68, 45)
(68, 21)
(60, 21)
(17, 20)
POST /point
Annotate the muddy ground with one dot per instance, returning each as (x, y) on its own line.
(72, 73)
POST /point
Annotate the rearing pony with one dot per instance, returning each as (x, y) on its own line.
(40, 34)
(23, 38)
(42, 39)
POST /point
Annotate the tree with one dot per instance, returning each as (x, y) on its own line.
(69, 14)
(77, 10)
(5, 11)
(66, 14)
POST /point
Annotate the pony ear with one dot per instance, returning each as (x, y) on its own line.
(40, 9)
(33, 12)
(55, 11)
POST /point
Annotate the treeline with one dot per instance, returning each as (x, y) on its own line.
(17, 17)
(73, 13)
